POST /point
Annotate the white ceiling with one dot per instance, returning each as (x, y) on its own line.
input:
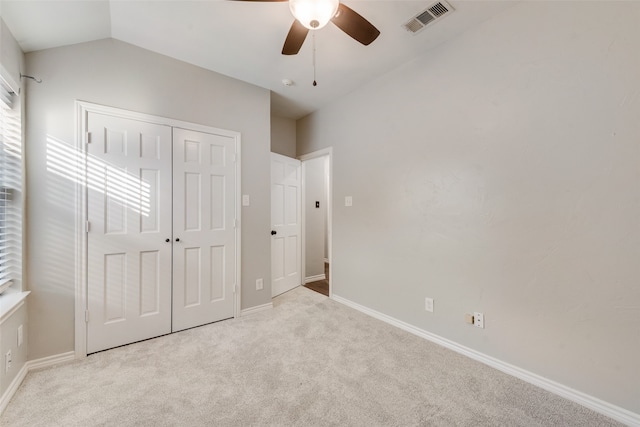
(244, 39)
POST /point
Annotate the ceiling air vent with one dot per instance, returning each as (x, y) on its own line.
(431, 14)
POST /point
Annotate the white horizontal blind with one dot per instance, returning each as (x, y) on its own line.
(10, 187)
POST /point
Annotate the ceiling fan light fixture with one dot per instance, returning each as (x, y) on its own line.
(313, 14)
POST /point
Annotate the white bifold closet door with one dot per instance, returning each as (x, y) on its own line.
(203, 228)
(161, 240)
(129, 211)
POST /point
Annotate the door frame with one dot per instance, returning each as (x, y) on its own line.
(328, 152)
(83, 108)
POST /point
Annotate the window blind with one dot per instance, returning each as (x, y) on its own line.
(10, 188)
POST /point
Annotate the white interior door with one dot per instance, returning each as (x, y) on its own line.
(128, 247)
(204, 235)
(285, 223)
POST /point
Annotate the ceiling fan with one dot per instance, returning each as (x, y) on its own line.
(315, 14)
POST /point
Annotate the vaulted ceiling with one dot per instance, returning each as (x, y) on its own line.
(243, 39)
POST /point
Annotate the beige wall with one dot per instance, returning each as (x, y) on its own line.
(283, 136)
(9, 341)
(117, 74)
(500, 173)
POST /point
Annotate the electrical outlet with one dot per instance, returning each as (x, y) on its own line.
(7, 361)
(478, 320)
(428, 304)
(348, 201)
(19, 335)
(259, 284)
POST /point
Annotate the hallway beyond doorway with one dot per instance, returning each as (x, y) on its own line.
(321, 286)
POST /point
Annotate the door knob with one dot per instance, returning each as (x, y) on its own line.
(167, 240)
(177, 239)
(274, 232)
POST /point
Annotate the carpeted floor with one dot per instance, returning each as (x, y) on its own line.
(308, 362)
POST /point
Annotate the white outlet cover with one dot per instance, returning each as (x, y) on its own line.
(348, 201)
(245, 200)
(428, 304)
(259, 284)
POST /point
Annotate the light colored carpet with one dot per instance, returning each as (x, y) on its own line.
(308, 362)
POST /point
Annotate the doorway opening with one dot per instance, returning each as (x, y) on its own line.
(321, 286)
(316, 221)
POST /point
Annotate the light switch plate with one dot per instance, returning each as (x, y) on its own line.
(478, 320)
(348, 201)
(259, 284)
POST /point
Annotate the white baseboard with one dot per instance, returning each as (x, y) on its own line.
(256, 309)
(314, 278)
(31, 365)
(612, 411)
(56, 359)
(13, 387)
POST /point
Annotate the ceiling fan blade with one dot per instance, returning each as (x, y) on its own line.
(295, 38)
(355, 25)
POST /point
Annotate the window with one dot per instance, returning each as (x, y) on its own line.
(10, 189)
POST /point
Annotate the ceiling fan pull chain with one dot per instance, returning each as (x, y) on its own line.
(313, 36)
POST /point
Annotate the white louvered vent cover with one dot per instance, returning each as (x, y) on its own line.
(431, 14)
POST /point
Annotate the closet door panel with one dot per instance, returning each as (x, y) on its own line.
(129, 181)
(204, 228)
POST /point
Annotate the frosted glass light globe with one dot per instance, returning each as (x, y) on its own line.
(313, 14)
